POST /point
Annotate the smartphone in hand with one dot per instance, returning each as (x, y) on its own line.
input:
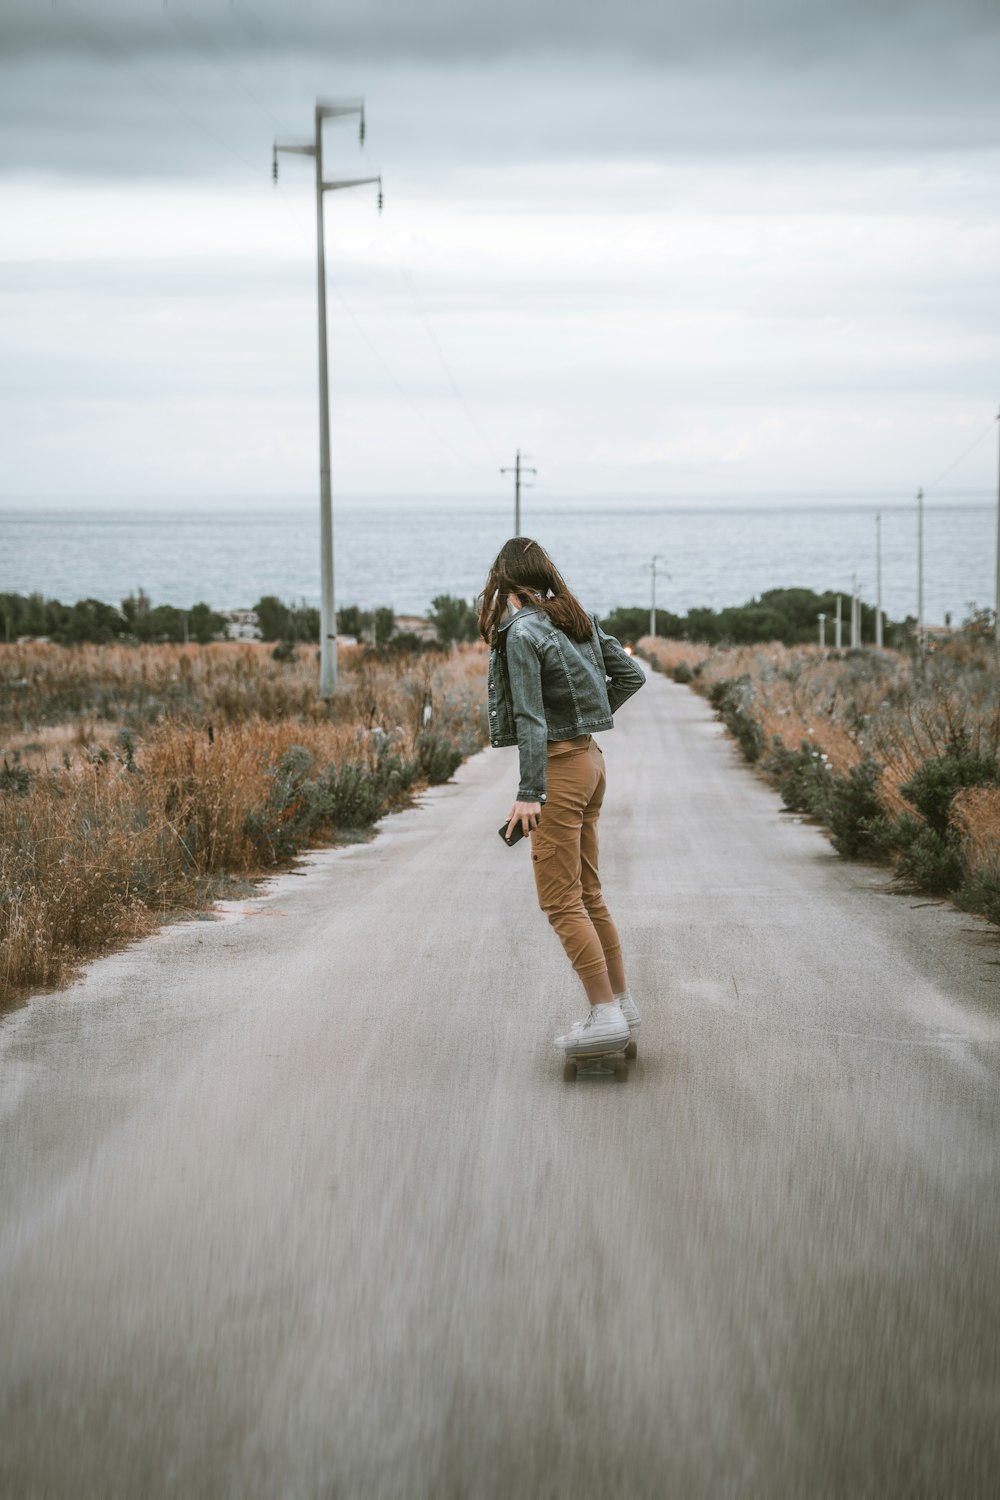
(515, 836)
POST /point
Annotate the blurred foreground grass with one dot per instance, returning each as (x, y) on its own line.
(139, 783)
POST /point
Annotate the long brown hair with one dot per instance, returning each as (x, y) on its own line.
(524, 568)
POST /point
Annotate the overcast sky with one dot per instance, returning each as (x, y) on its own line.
(738, 246)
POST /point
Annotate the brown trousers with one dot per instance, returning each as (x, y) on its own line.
(564, 855)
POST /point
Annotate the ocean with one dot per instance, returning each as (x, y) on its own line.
(390, 550)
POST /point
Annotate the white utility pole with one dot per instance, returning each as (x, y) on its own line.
(652, 597)
(518, 469)
(996, 599)
(920, 570)
(837, 625)
(854, 611)
(326, 110)
(822, 630)
(878, 581)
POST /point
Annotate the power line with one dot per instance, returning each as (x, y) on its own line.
(194, 29)
(400, 390)
(101, 42)
(407, 276)
(962, 456)
(256, 31)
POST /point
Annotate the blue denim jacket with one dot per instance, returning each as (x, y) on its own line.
(543, 686)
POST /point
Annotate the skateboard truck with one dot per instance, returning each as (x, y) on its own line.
(600, 1064)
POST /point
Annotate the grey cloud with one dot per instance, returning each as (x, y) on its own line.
(184, 120)
(435, 29)
(115, 89)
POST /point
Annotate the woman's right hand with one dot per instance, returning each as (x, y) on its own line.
(525, 813)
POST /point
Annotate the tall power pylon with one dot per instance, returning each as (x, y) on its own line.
(518, 469)
(326, 110)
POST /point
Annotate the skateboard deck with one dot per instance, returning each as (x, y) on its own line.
(611, 1064)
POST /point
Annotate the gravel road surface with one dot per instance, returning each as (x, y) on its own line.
(297, 1203)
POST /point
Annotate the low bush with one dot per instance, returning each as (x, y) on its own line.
(439, 756)
(859, 827)
(932, 789)
(931, 860)
(14, 777)
(803, 777)
(930, 850)
(980, 892)
(733, 699)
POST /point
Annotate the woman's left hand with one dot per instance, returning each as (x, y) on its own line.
(525, 813)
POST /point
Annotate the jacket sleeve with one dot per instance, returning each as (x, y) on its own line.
(525, 673)
(627, 677)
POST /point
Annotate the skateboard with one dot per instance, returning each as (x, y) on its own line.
(612, 1064)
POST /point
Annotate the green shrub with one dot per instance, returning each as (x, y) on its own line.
(859, 828)
(930, 859)
(454, 619)
(682, 672)
(439, 757)
(15, 778)
(803, 777)
(929, 850)
(932, 788)
(981, 893)
(731, 697)
(282, 825)
(346, 797)
(354, 795)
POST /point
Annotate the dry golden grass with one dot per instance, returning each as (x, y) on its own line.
(857, 704)
(107, 843)
(976, 814)
(670, 654)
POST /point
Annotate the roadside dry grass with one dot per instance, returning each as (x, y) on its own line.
(139, 784)
(872, 737)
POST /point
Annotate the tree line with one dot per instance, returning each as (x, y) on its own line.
(787, 615)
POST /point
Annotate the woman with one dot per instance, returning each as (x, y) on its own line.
(549, 694)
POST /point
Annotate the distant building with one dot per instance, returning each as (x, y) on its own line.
(241, 624)
(416, 625)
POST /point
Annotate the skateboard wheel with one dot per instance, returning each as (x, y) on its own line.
(621, 1072)
(569, 1070)
(631, 1049)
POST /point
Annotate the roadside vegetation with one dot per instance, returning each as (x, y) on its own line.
(138, 620)
(898, 759)
(142, 782)
(786, 615)
(149, 768)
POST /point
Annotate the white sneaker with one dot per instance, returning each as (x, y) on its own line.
(629, 1010)
(604, 1030)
